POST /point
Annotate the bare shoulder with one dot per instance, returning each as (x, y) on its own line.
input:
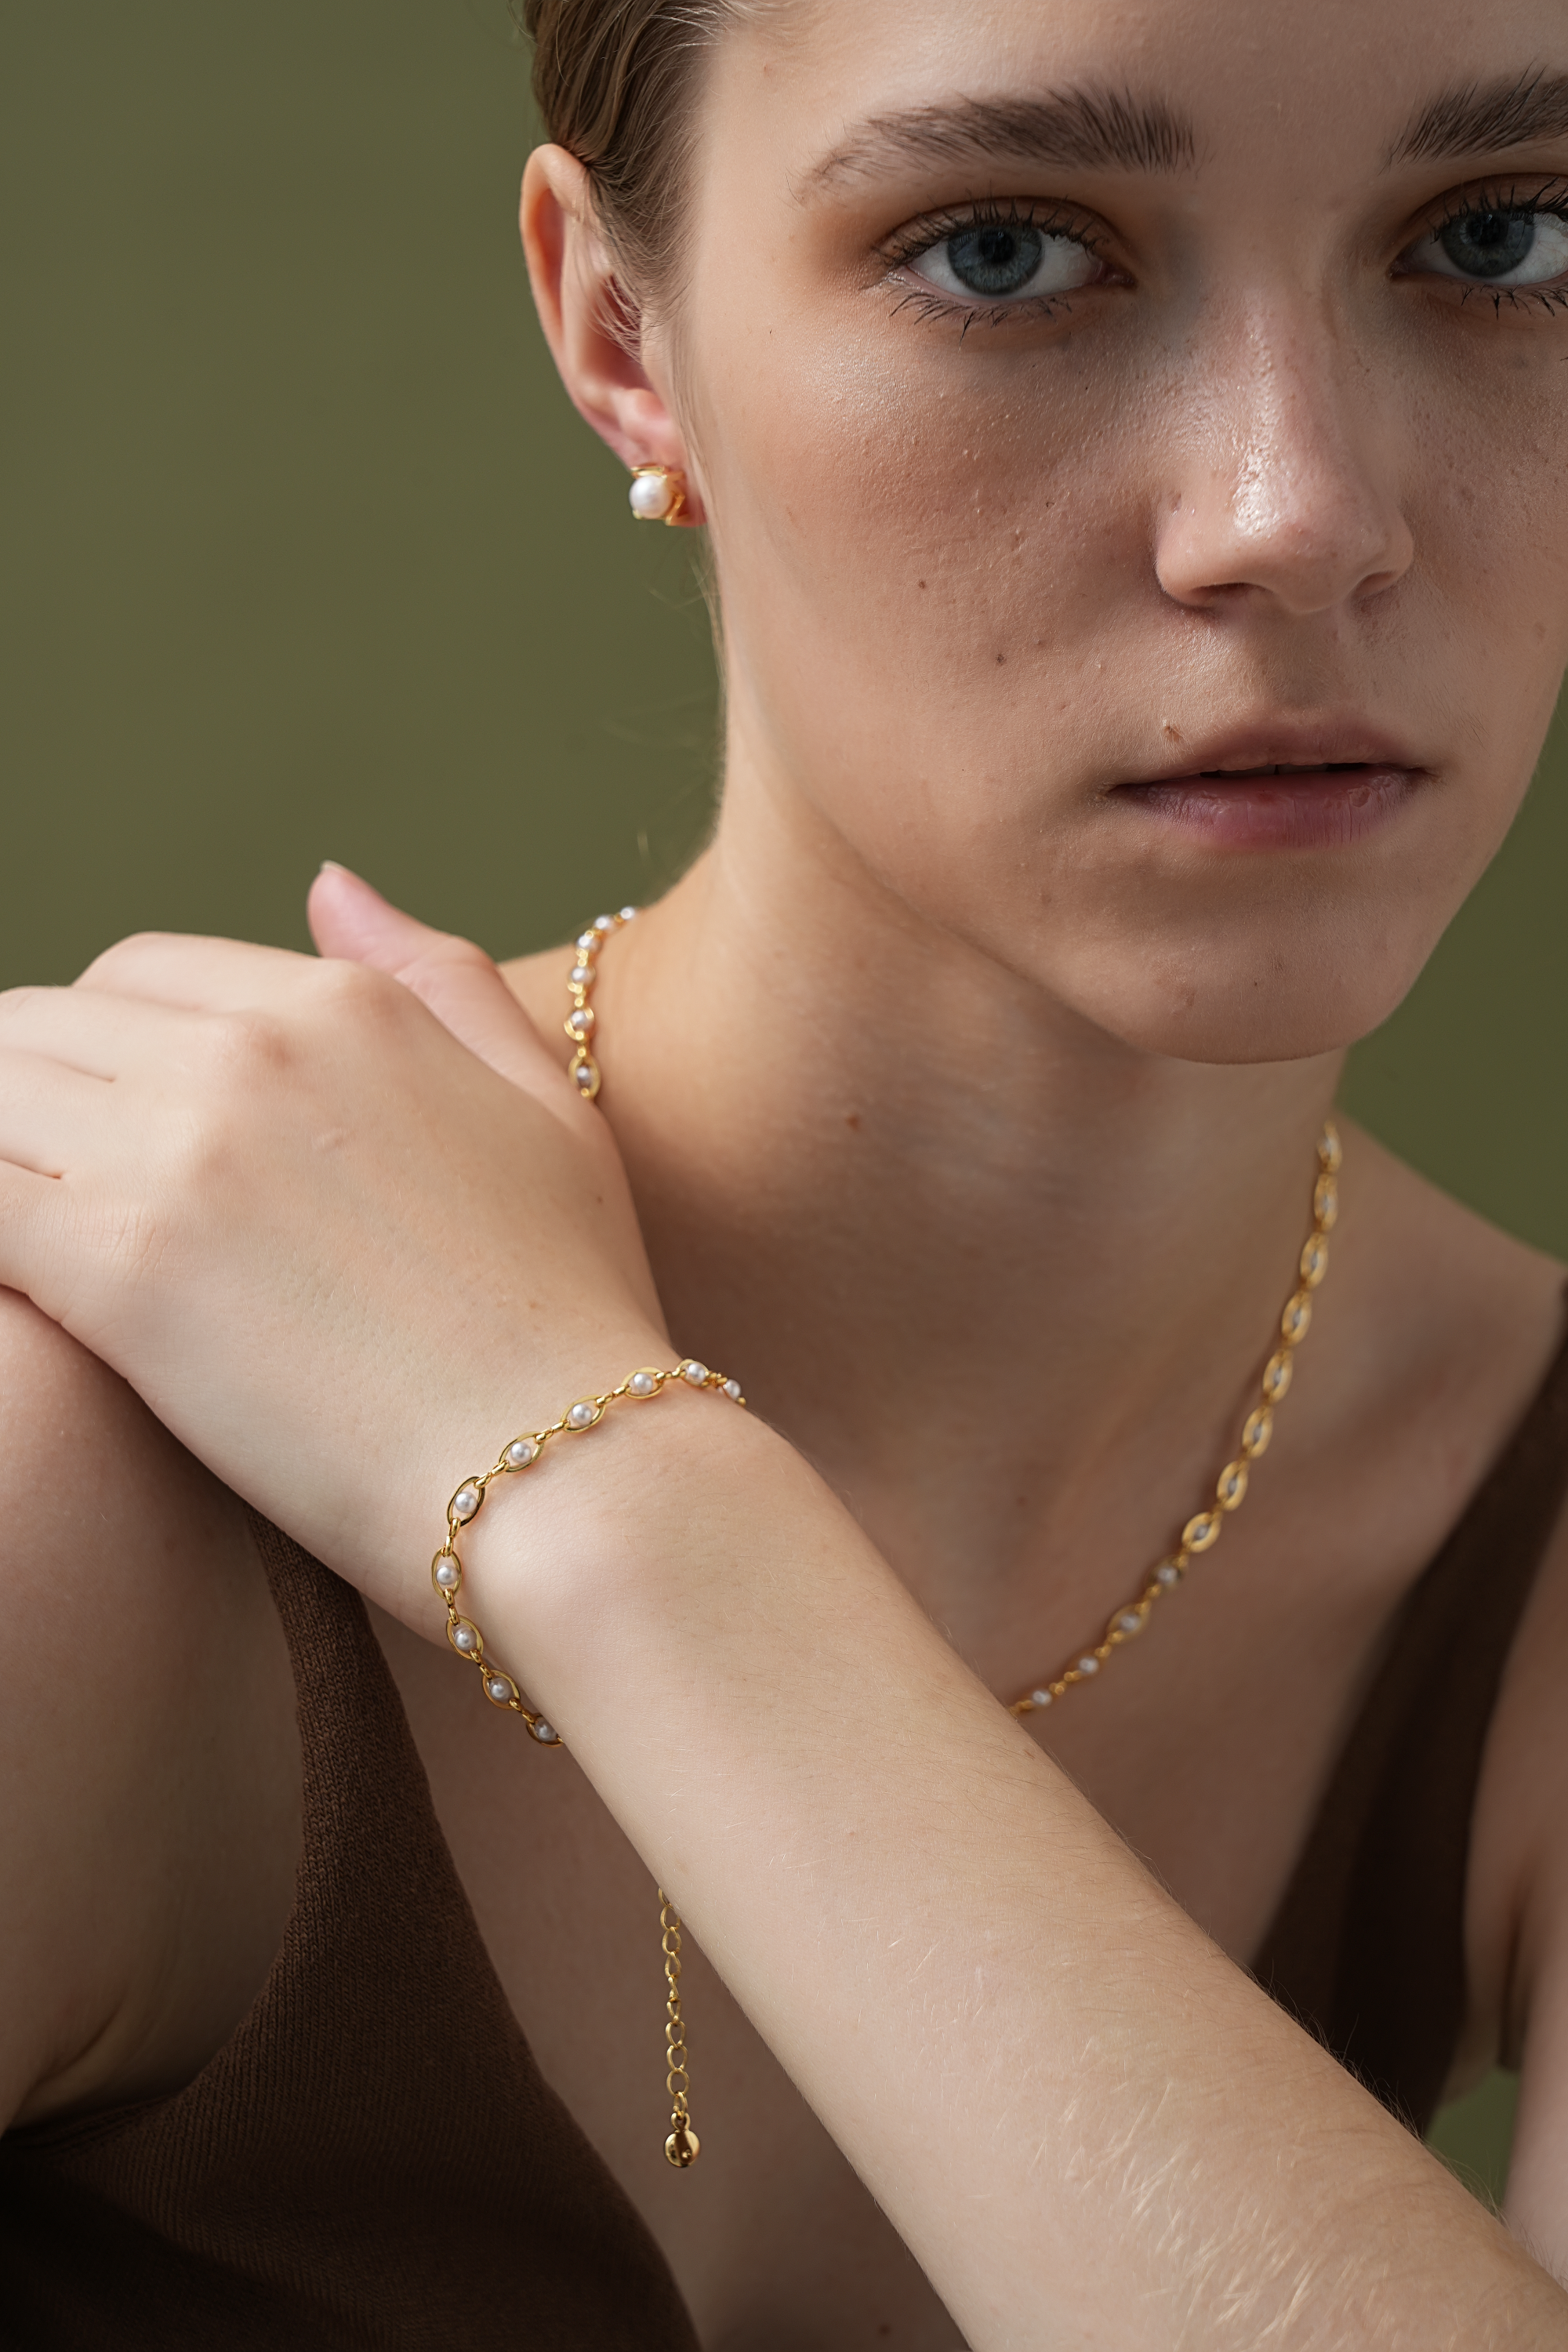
(146, 1715)
(1474, 1320)
(1449, 1327)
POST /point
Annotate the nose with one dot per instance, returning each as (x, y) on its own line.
(1289, 488)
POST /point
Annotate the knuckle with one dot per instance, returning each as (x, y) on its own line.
(126, 955)
(357, 993)
(16, 1003)
(246, 1048)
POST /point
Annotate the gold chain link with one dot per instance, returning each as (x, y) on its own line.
(1203, 1531)
(683, 2146)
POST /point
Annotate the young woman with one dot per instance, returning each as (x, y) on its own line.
(1131, 439)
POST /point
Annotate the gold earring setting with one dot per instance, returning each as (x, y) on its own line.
(658, 493)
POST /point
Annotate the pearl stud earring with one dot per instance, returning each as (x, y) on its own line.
(658, 493)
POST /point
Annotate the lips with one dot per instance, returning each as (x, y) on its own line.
(1283, 787)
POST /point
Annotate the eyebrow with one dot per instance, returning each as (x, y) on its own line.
(1082, 129)
(1479, 118)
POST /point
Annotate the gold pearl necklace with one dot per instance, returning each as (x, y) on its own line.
(1203, 1531)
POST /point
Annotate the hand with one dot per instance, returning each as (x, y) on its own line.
(345, 1225)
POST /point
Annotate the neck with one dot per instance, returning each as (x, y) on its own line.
(970, 1253)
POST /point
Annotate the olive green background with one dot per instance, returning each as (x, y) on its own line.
(305, 555)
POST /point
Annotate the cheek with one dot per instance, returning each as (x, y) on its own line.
(956, 565)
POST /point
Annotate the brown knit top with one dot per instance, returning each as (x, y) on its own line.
(374, 2160)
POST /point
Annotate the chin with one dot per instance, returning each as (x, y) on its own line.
(1244, 1022)
(1198, 1006)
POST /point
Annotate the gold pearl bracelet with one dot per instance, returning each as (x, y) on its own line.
(500, 1689)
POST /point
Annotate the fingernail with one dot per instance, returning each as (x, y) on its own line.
(330, 866)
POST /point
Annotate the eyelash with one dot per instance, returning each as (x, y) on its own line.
(907, 244)
(1549, 195)
(1055, 220)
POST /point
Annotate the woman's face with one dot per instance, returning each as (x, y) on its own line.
(1091, 395)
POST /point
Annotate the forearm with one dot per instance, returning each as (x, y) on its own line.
(1087, 2123)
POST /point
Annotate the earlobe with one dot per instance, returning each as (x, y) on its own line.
(590, 323)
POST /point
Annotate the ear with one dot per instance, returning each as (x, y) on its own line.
(590, 322)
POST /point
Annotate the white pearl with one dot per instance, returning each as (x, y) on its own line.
(1039, 1699)
(732, 1389)
(1088, 1665)
(697, 1374)
(603, 923)
(1167, 1573)
(628, 914)
(582, 1416)
(542, 1732)
(519, 1453)
(447, 1576)
(587, 941)
(651, 496)
(581, 976)
(465, 1502)
(499, 1690)
(466, 1639)
(1129, 1621)
(581, 1020)
(584, 1073)
(642, 1384)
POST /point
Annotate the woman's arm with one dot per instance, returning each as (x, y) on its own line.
(149, 1760)
(344, 1262)
(1087, 2123)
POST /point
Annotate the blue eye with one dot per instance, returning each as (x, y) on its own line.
(1493, 247)
(1006, 261)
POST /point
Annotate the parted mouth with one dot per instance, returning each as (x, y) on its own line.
(1274, 750)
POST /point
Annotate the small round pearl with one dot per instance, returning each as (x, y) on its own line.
(1039, 1699)
(603, 923)
(651, 496)
(584, 1073)
(1088, 1665)
(1129, 1621)
(543, 1732)
(1167, 1574)
(628, 914)
(642, 1384)
(582, 1416)
(732, 1390)
(519, 1453)
(587, 941)
(581, 975)
(465, 1502)
(581, 1020)
(697, 1374)
(447, 1576)
(499, 1689)
(466, 1640)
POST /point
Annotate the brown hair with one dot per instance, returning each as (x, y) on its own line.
(615, 82)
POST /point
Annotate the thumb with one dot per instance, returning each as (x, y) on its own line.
(454, 978)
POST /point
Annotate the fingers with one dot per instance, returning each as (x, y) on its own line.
(50, 1117)
(96, 1035)
(453, 977)
(204, 975)
(348, 918)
